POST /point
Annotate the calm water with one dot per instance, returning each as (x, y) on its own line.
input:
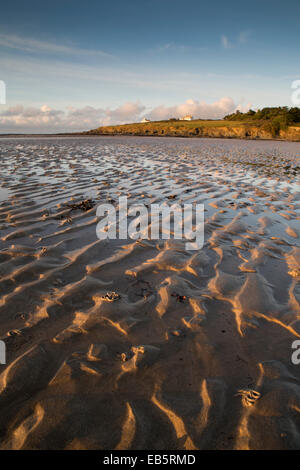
(54, 161)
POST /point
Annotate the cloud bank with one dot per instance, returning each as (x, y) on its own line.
(20, 119)
(46, 119)
(198, 109)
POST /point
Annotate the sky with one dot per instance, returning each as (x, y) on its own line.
(70, 65)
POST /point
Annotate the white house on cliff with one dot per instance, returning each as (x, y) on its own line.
(188, 117)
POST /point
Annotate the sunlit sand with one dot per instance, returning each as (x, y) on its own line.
(124, 344)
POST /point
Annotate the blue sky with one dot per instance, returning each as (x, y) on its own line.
(70, 64)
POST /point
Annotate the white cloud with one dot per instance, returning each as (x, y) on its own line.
(198, 109)
(244, 36)
(225, 42)
(35, 46)
(243, 108)
(241, 39)
(171, 46)
(44, 119)
(48, 70)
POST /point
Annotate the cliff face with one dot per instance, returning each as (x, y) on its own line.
(199, 129)
(292, 133)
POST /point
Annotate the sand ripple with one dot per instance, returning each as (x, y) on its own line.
(141, 344)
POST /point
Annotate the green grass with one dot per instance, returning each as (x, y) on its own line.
(169, 126)
(186, 124)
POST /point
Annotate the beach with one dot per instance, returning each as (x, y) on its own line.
(142, 344)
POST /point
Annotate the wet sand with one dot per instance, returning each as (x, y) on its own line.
(193, 351)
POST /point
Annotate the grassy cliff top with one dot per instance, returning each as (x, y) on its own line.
(167, 126)
(258, 129)
(263, 123)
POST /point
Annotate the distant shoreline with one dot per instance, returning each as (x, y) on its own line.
(185, 129)
(229, 129)
(85, 135)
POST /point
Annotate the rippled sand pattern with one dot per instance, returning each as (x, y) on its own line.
(193, 351)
